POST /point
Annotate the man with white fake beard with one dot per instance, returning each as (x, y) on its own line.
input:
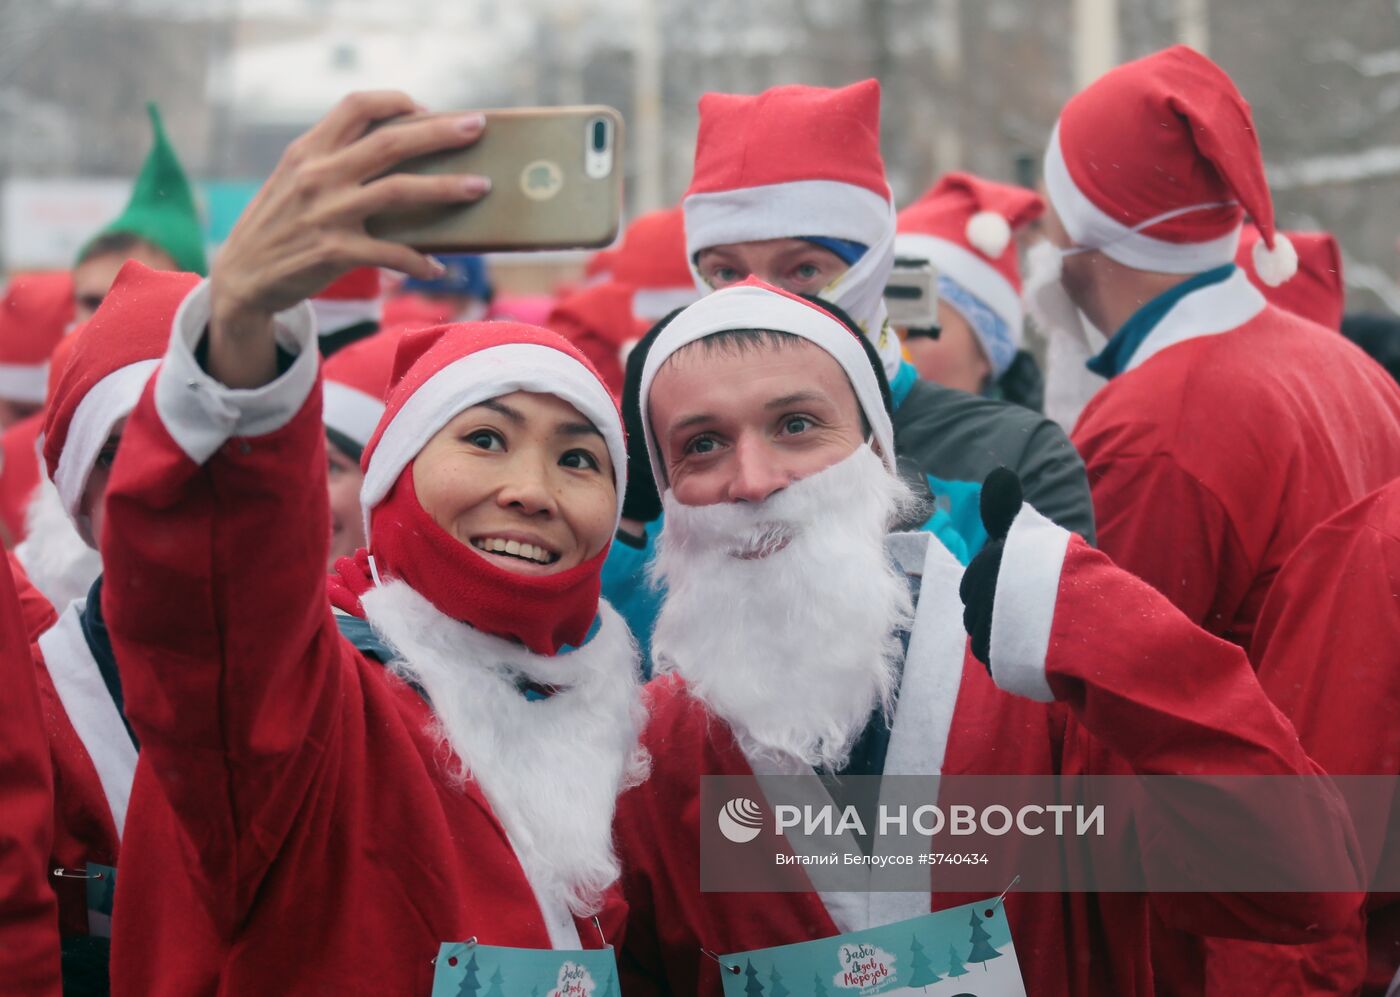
(796, 636)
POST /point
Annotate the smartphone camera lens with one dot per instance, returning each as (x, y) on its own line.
(598, 139)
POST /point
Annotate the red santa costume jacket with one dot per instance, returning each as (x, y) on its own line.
(29, 946)
(1327, 645)
(1237, 428)
(1230, 428)
(92, 754)
(94, 761)
(323, 838)
(1079, 684)
(36, 612)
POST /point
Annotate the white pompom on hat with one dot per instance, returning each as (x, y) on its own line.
(989, 233)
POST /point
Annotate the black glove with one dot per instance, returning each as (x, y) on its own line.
(1000, 501)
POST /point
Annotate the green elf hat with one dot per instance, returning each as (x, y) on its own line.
(161, 210)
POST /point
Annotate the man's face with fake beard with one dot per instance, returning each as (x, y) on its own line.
(782, 608)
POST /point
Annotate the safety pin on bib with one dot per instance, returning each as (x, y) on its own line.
(1002, 897)
(728, 969)
(466, 945)
(63, 873)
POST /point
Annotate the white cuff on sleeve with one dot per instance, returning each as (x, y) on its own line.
(200, 413)
(1027, 587)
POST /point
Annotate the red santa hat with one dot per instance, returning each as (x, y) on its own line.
(355, 381)
(599, 267)
(797, 162)
(112, 357)
(756, 305)
(652, 261)
(407, 310)
(34, 315)
(1317, 291)
(1157, 162)
(353, 299)
(599, 321)
(964, 226)
(58, 360)
(19, 474)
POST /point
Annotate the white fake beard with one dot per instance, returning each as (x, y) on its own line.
(55, 556)
(1071, 339)
(552, 769)
(1049, 304)
(792, 648)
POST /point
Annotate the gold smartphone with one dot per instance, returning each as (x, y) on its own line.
(556, 183)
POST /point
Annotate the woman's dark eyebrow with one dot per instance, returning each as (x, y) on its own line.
(562, 429)
(577, 429)
(514, 415)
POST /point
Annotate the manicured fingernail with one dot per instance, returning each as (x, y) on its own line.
(475, 186)
(471, 123)
(439, 266)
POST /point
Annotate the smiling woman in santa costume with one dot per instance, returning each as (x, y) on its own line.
(437, 757)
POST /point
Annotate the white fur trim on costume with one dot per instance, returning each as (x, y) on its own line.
(657, 302)
(1027, 588)
(791, 210)
(90, 709)
(334, 314)
(24, 382)
(988, 233)
(756, 308)
(976, 275)
(1209, 311)
(1277, 265)
(551, 770)
(106, 403)
(1089, 226)
(478, 377)
(200, 413)
(350, 411)
(928, 691)
(57, 559)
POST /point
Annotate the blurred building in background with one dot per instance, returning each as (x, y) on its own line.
(969, 84)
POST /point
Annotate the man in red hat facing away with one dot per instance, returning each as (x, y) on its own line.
(1229, 427)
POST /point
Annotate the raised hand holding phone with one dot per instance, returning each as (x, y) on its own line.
(306, 226)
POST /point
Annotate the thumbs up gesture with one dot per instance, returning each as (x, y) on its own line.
(1000, 502)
